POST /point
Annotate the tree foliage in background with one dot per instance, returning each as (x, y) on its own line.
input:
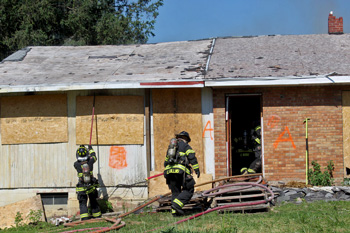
(75, 22)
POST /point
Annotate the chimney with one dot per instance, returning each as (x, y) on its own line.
(335, 26)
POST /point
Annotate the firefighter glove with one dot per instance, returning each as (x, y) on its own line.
(197, 172)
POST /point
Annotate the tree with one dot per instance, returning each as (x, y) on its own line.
(75, 22)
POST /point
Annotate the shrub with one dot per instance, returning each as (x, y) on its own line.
(105, 206)
(319, 178)
(34, 216)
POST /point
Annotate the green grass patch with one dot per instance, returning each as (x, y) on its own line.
(305, 217)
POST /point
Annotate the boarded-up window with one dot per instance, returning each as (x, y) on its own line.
(176, 110)
(117, 120)
(34, 119)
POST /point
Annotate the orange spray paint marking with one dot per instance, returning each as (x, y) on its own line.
(273, 121)
(281, 139)
(210, 129)
(117, 157)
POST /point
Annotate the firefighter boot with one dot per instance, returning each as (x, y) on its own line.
(244, 171)
(176, 210)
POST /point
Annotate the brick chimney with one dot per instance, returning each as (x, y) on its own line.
(335, 26)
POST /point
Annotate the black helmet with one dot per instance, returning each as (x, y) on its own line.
(185, 135)
(82, 153)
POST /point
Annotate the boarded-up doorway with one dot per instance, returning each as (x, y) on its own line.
(243, 114)
(176, 110)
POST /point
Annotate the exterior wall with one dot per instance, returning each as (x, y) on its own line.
(27, 169)
(208, 131)
(284, 110)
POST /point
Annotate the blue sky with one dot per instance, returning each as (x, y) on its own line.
(181, 20)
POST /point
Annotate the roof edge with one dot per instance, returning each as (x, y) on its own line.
(279, 81)
(100, 86)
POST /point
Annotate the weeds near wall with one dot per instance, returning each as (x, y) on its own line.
(105, 206)
(346, 182)
(34, 217)
(18, 219)
(319, 178)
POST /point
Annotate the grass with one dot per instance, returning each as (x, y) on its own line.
(318, 216)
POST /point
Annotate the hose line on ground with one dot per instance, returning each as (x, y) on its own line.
(207, 193)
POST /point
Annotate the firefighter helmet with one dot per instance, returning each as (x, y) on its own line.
(184, 135)
(82, 153)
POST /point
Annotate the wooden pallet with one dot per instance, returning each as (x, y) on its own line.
(245, 196)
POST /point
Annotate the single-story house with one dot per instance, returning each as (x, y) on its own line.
(130, 100)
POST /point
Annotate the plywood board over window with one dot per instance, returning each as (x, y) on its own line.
(176, 110)
(346, 128)
(117, 120)
(34, 119)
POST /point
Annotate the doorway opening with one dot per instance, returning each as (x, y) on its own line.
(244, 113)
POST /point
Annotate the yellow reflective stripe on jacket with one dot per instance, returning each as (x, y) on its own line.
(196, 166)
(80, 174)
(189, 151)
(88, 190)
(92, 151)
(80, 189)
(179, 166)
(182, 153)
(177, 201)
(257, 128)
(257, 140)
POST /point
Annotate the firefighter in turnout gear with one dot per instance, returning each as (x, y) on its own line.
(255, 166)
(86, 187)
(256, 136)
(179, 162)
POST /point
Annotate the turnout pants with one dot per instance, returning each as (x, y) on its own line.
(95, 208)
(182, 189)
(256, 164)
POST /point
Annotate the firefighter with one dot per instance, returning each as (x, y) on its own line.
(256, 136)
(86, 187)
(256, 141)
(178, 171)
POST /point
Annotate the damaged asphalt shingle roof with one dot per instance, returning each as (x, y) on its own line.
(280, 56)
(94, 64)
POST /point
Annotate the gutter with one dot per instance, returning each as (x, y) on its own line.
(279, 81)
(190, 83)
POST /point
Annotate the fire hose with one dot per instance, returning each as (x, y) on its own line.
(208, 193)
(117, 223)
(117, 226)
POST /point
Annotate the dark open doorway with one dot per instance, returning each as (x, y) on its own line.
(243, 116)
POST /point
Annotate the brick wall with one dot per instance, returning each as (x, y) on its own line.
(284, 110)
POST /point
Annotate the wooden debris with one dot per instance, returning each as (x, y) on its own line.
(241, 195)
